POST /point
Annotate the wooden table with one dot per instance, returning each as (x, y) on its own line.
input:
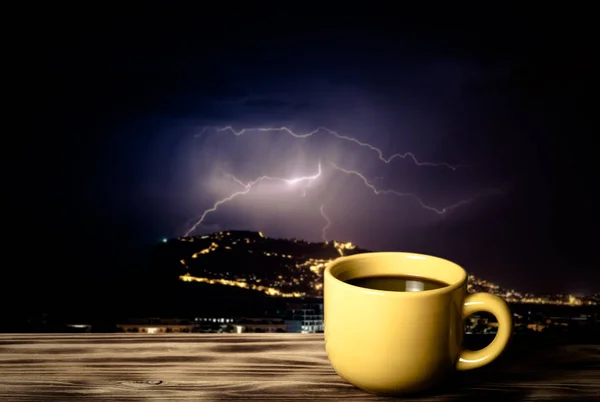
(261, 367)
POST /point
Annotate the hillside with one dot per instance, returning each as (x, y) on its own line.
(277, 268)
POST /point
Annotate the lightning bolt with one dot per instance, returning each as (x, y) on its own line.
(377, 191)
(324, 230)
(379, 152)
(247, 187)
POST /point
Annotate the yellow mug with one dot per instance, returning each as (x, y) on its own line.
(391, 343)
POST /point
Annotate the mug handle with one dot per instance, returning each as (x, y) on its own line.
(485, 302)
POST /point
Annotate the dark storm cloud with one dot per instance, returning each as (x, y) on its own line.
(134, 99)
(270, 104)
(265, 103)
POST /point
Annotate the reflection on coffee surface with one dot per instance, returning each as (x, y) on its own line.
(397, 283)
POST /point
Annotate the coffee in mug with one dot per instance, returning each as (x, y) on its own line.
(397, 283)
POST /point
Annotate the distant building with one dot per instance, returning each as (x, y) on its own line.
(305, 318)
(260, 325)
(293, 326)
(212, 324)
(476, 324)
(156, 326)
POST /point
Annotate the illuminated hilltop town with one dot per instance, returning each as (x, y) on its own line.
(294, 268)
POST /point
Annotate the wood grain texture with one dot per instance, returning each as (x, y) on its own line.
(259, 367)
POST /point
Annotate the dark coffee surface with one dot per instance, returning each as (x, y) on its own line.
(397, 283)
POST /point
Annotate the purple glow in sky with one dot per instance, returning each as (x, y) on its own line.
(131, 152)
(279, 187)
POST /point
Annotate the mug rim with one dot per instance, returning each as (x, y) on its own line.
(391, 293)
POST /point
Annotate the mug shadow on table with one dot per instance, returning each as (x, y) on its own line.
(530, 364)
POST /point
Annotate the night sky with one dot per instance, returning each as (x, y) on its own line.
(125, 149)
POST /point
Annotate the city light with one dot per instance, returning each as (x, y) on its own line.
(304, 272)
